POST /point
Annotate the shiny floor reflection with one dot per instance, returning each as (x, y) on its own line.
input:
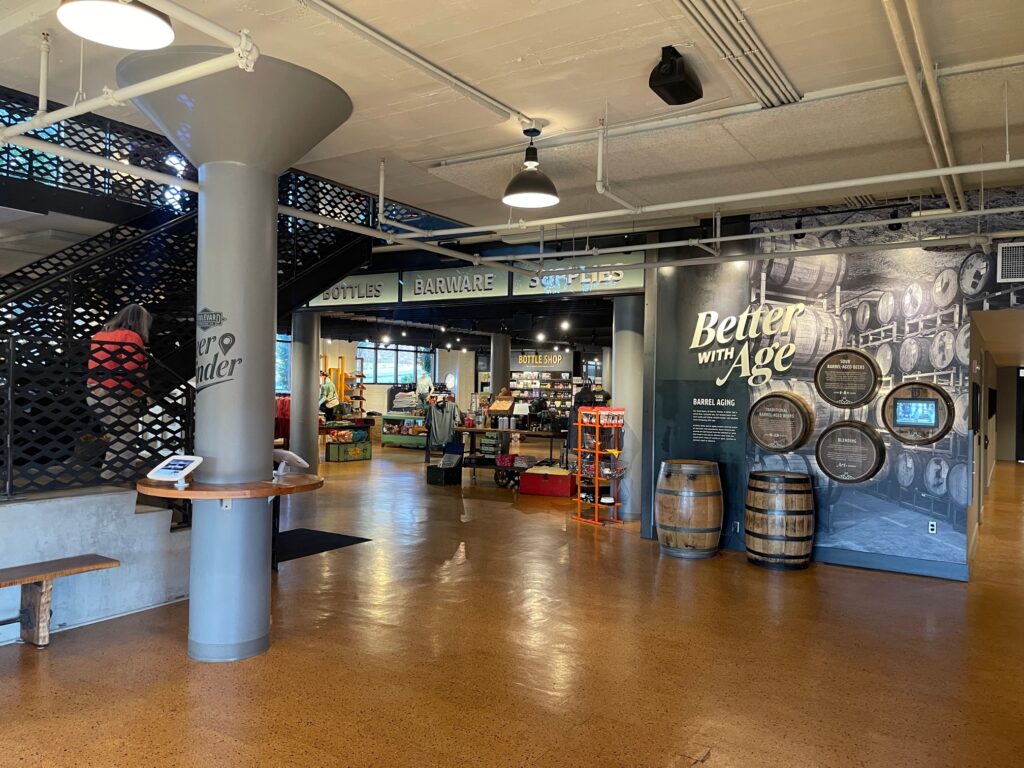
(481, 628)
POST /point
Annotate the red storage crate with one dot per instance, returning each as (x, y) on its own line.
(539, 481)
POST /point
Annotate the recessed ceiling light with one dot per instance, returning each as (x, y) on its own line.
(443, 329)
(386, 339)
(463, 350)
(556, 349)
(541, 336)
(565, 325)
(131, 25)
(404, 334)
(530, 188)
(448, 345)
(459, 339)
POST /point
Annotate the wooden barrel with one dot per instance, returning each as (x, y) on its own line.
(847, 317)
(942, 350)
(913, 354)
(907, 468)
(962, 412)
(809, 276)
(779, 519)
(826, 490)
(823, 414)
(958, 484)
(936, 476)
(977, 274)
(963, 344)
(814, 334)
(885, 356)
(866, 315)
(916, 301)
(689, 508)
(945, 288)
(887, 308)
(780, 421)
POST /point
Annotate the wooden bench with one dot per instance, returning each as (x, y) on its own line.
(36, 582)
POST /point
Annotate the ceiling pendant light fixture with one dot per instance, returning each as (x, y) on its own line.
(530, 188)
(119, 24)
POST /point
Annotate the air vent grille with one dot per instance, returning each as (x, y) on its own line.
(1010, 263)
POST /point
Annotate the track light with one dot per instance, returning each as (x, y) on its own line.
(386, 339)
(799, 235)
(443, 329)
(556, 348)
(530, 188)
(565, 325)
(131, 25)
(541, 336)
(448, 345)
(404, 334)
(458, 339)
(895, 226)
(463, 350)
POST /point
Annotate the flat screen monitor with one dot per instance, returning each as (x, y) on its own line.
(913, 412)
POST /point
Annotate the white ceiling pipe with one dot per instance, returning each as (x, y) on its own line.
(601, 185)
(916, 94)
(26, 15)
(759, 51)
(381, 216)
(700, 242)
(44, 73)
(713, 202)
(377, 234)
(970, 240)
(88, 158)
(934, 95)
(381, 40)
(123, 95)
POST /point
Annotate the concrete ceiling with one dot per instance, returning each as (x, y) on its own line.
(1002, 333)
(565, 61)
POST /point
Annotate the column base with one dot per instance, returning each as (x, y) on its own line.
(217, 652)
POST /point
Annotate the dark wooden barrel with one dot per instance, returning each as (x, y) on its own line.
(942, 350)
(689, 508)
(914, 354)
(977, 274)
(809, 276)
(866, 316)
(945, 288)
(822, 414)
(780, 421)
(888, 308)
(959, 484)
(907, 468)
(814, 333)
(917, 300)
(779, 519)
(963, 344)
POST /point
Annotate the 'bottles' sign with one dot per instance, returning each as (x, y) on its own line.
(742, 344)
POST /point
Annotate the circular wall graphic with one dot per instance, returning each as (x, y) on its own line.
(918, 413)
(850, 452)
(780, 421)
(847, 378)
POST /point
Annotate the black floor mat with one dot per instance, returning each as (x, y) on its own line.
(303, 542)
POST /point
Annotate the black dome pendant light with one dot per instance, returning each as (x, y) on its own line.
(530, 188)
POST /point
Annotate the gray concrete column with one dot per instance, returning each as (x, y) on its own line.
(229, 605)
(606, 366)
(304, 432)
(501, 357)
(627, 392)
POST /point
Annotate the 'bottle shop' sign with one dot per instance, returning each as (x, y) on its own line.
(743, 342)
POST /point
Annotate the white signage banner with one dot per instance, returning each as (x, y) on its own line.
(457, 283)
(587, 279)
(361, 289)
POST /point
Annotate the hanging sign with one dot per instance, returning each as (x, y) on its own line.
(847, 378)
(536, 360)
(362, 289)
(593, 276)
(457, 283)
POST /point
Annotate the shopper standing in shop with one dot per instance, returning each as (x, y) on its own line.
(328, 396)
(118, 383)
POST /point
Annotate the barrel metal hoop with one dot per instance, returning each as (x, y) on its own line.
(777, 556)
(670, 492)
(767, 537)
(774, 476)
(781, 491)
(680, 529)
(780, 512)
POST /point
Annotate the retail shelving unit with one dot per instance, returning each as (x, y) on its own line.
(597, 463)
(354, 386)
(556, 388)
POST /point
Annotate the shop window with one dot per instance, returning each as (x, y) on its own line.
(283, 364)
(393, 364)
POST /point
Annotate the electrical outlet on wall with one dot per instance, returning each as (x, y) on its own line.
(933, 527)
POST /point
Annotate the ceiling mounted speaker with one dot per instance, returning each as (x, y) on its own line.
(672, 81)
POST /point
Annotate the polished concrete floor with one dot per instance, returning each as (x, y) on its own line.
(482, 629)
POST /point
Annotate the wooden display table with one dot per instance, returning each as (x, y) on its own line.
(260, 489)
(473, 432)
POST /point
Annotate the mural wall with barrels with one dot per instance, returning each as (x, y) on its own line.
(908, 309)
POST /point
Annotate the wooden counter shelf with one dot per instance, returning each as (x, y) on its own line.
(261, 489)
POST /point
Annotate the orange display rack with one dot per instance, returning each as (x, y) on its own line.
(592, 421)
